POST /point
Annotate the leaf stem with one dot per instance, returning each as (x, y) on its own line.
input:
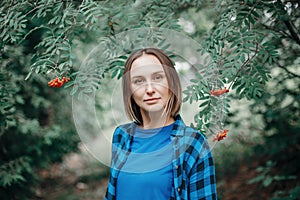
(243, 66)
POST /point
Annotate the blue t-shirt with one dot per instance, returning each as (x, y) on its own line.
(147, 173)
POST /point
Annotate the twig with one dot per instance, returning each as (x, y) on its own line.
(289, 72)
(36, 28)
(244, 65)
(292, 31)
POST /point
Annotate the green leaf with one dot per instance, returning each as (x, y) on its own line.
(28, 75)
(74, 89)
(267, 181)
(186, 98)
(205, 103)
(251, 19)
(194, 80)
(114, 73)
(118, 63)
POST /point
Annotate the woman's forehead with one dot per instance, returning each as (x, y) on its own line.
(145, 59)
(146, 64)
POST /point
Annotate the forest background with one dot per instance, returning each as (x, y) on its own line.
(254, 47)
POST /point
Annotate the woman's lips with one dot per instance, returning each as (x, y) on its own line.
(152, 100)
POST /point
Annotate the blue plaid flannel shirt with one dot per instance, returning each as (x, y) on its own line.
(193, 166)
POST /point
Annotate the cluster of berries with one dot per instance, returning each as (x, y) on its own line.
(221, 135)
(57, 83)
(218, 92)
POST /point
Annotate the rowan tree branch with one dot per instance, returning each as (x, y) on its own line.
(292, 31)
(287, 71)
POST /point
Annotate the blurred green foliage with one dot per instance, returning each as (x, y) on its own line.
(37, 128)
(256, 47)
(36, 125)
(278, 107)
(247, 41)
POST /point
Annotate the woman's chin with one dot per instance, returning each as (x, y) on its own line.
(154, 109)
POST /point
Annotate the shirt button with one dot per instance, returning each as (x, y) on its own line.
(176, 166)
(178, 189)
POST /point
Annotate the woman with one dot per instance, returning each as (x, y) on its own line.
(157, 157)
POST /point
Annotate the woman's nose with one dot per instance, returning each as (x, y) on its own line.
(149, 88)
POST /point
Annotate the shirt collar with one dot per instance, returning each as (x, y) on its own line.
(178, 128)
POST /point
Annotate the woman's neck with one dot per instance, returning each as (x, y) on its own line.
(156, 120)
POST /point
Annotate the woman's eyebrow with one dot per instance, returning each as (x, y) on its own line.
(158, 72)
(138, 76)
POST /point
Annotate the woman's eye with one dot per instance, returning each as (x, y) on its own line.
(158, 77)
(138, 81)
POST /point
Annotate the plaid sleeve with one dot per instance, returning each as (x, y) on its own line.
(202, 181)
(118, 155)
(110, 190)
(117, 140)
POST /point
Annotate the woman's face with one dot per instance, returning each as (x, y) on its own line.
(149, 84)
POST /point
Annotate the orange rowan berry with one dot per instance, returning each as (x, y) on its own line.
(57, 83)
(221, 135)
(218, 92)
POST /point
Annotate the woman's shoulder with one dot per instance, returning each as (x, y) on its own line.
(194, 133)
(122, 131)
(187, 131)
(195, 143)
(124, 127)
